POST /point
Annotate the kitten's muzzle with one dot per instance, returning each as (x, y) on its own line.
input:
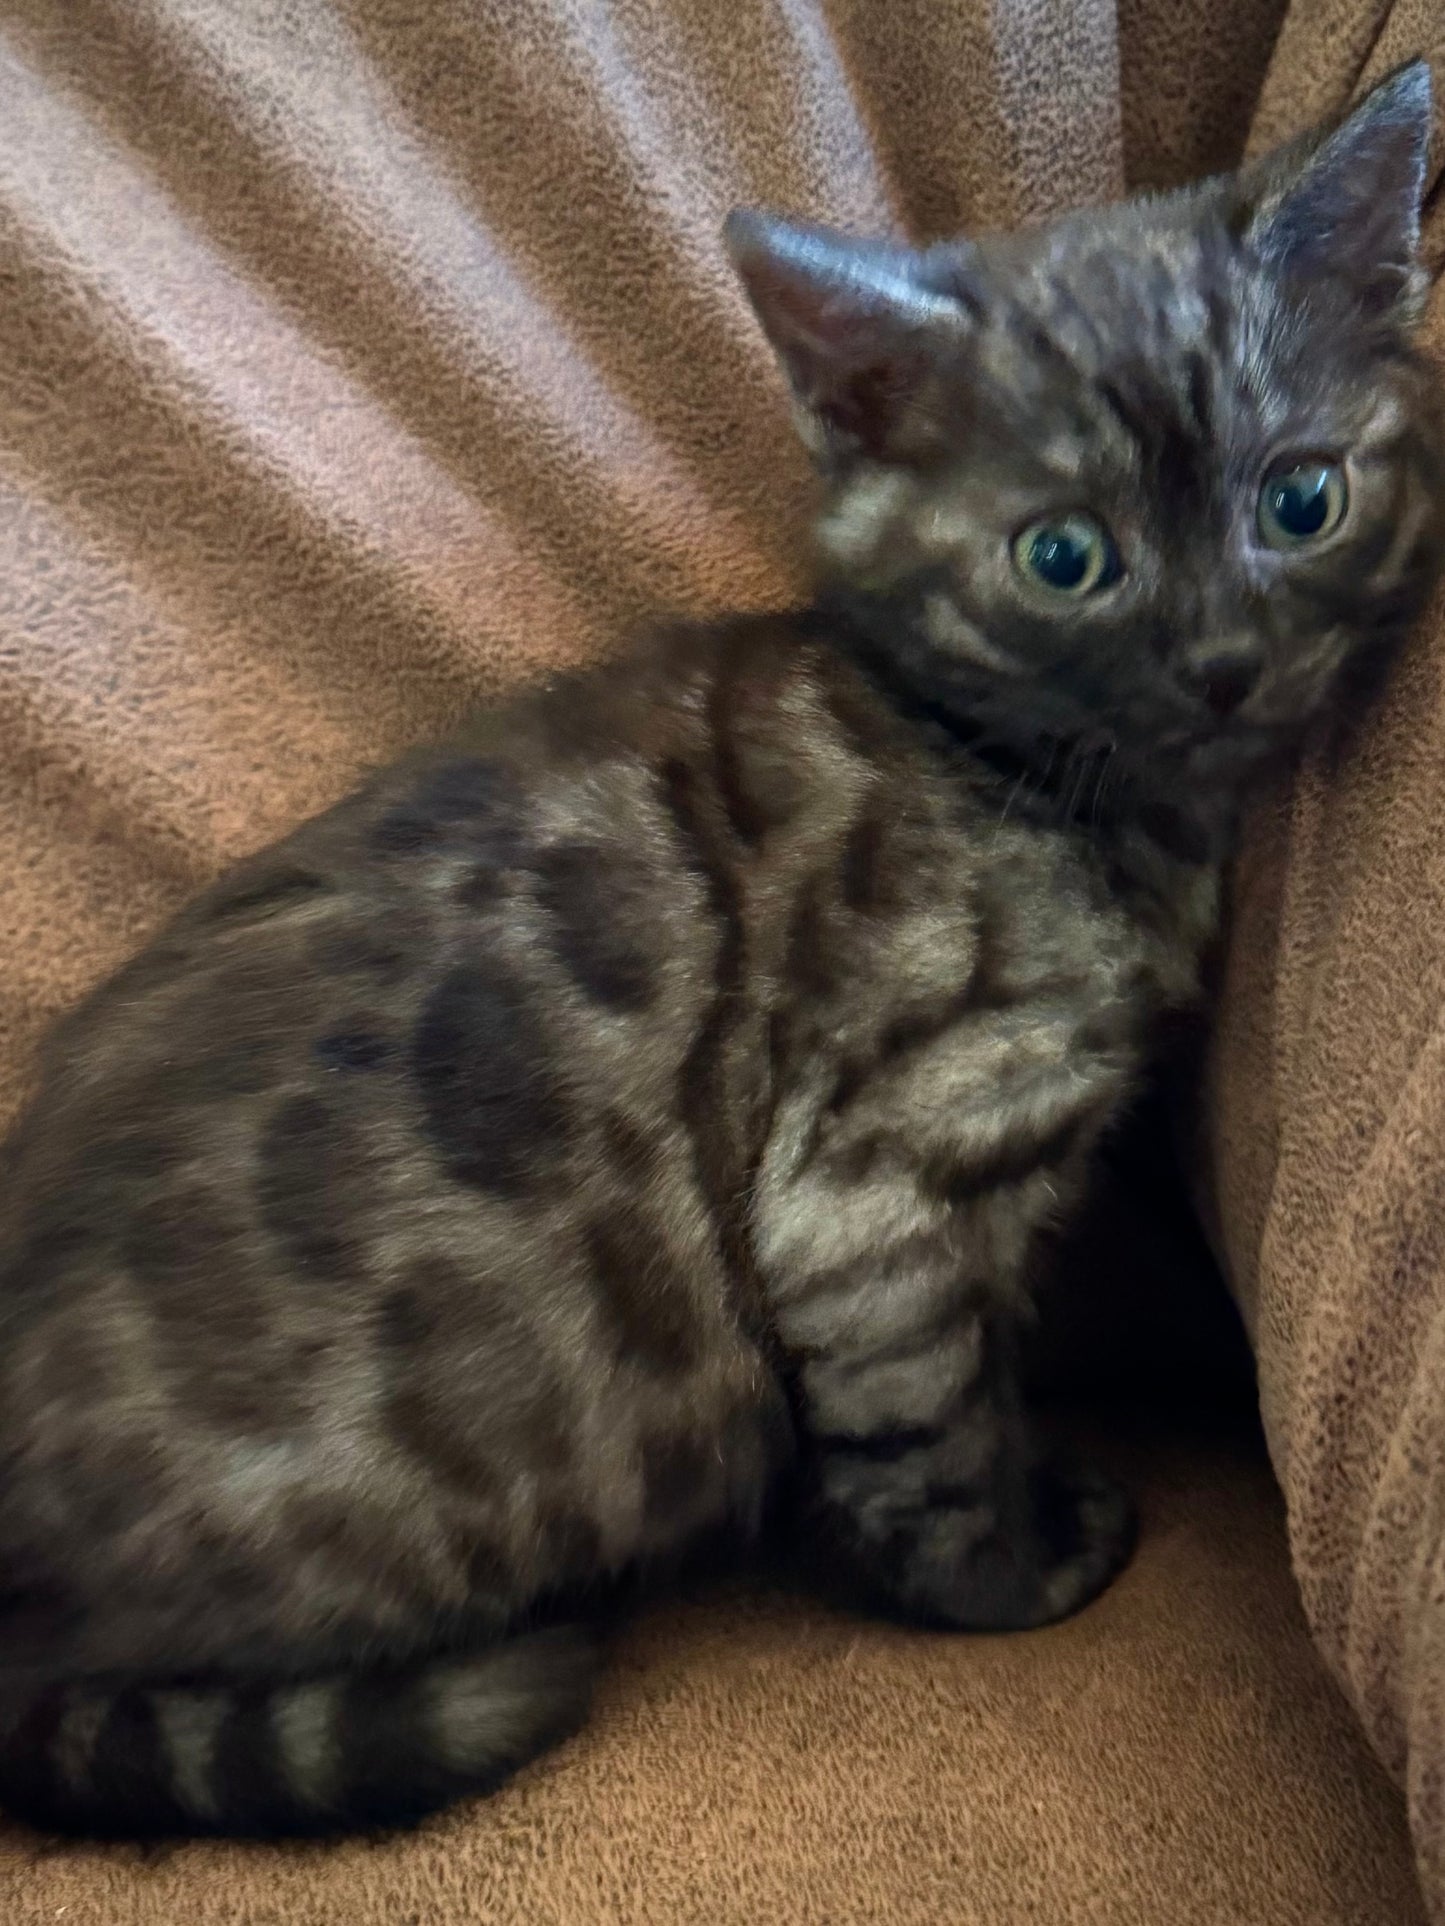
(1223, 675)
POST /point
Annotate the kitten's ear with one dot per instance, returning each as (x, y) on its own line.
(1345, 205)
(854, 323)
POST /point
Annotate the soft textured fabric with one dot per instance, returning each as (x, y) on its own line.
(1174, 1757)
(357, 356)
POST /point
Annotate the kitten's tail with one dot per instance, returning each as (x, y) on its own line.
(340, 1753)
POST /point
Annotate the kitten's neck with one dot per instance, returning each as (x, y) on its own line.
(1045, 767)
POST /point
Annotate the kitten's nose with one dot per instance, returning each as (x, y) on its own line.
(1223, 675)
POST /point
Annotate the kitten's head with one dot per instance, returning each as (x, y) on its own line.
(1155, 477)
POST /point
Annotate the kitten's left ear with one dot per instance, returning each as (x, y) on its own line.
(856, 325)
(1344, 207)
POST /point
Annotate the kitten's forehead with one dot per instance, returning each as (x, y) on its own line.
(1124, 275)
(1146, 331)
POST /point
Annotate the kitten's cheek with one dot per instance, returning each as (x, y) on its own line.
(948, 629)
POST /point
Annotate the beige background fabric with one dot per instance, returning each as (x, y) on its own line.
(358, 357)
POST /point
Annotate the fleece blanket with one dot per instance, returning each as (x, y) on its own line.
(359, 356)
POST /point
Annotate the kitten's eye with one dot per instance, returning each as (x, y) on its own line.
(1300, 502)
(1072, 555)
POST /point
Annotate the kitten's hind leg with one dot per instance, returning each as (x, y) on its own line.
(341, 1752)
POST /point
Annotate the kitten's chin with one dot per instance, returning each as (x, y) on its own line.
(1236, 758)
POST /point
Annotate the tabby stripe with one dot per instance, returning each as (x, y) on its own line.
(1012, 1159)
(249, 1772)
(132, 1786)
(386, 1737)
(746, 818)
(882, 1447)
(719, 1162)
(927, 1335)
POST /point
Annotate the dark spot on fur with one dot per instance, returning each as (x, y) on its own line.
(481, 887)
(405, 830)
(755, 767)
(600, 906)
(639, 1293)
(421, 1426)
(311, 1184)
(250, 895)
(352, 1050)
(470, 805)
(469, 787)
(637, 1156)
(481, 1063)
(404, 1319)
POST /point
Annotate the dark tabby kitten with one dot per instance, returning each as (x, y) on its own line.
(499, 1183)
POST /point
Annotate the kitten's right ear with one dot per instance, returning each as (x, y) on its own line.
(854, 324)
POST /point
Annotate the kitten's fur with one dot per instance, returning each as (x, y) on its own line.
(498, 1183)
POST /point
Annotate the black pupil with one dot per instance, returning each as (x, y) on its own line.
(1300, 500)
(1060, 557)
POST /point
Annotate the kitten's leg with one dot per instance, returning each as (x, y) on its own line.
(934, 1499)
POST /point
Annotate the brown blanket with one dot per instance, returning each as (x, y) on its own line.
(356, 355)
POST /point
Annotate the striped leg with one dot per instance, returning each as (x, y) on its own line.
(934, 1502)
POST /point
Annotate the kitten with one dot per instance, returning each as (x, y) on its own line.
(510, 1176)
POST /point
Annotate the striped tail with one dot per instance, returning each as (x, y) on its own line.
(336, 1754)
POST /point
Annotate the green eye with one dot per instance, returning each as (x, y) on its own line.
(1300, 502)
(1068, 556)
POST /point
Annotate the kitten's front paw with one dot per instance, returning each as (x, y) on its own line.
(1087, 1528)
(1025, 1571)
